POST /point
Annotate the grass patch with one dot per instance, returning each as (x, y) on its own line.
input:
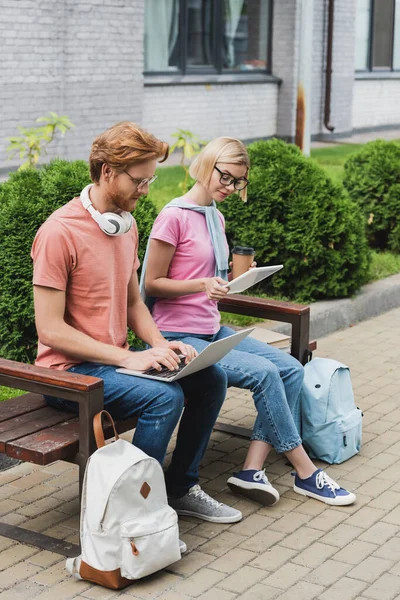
(6, 393)
(383, 264)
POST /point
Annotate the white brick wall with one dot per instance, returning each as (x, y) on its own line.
(83, 59)
(238, 110)
(376, 103)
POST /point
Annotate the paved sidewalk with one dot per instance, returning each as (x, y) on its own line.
(299, 549)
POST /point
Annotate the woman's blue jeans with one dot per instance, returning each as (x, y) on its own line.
(159, 406)
(274, 377)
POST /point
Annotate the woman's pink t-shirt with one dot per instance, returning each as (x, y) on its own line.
(194, 258)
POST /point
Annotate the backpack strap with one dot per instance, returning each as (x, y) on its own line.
(98, 427)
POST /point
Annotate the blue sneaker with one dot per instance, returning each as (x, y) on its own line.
(321, 487)
(254, 485)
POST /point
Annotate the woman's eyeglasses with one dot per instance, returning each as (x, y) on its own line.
(227, 179)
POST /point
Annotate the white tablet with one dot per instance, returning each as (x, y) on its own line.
(251, 277)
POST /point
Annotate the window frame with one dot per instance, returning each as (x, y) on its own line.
(370, 67)
(217, 68)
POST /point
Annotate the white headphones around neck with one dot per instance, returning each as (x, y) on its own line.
(110, 223)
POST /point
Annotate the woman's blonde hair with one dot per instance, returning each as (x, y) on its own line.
(221, 150)
(121, 146)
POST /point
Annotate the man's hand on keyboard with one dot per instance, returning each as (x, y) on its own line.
(185, 350)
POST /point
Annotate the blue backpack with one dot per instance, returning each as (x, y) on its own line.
(331, 422)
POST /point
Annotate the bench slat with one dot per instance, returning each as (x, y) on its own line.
(31, 423)
(20, 405)
(59, 442)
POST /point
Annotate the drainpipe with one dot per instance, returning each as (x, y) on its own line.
(304, 80)
(328, 76)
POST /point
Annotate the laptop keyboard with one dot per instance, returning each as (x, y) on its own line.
(165, 373)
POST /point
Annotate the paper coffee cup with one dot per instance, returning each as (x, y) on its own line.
(242, 257)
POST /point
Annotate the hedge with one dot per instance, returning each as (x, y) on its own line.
(372, 178)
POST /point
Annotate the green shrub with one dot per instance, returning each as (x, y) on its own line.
(297, 216)
(26, 200)
(372, 178)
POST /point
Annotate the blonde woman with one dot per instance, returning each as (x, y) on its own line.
(187, 267)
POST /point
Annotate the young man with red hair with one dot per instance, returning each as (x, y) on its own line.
(86, 296)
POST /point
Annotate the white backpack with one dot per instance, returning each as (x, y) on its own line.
(127, 528)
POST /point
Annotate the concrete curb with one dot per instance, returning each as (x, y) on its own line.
(372, 300)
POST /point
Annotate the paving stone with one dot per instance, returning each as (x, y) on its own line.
(303, 537)
(190, 563)
(261, 592)
(366, 517)
(387, 500)
(52, 575)
(218, 594)
(370, 569)
(290, 522)
(303, 590)
(393, 517)
(251, 525)
(262, 541)
(314, 555)
(389, 550)
(356, 552)
(342, 535)
(285, 577)
(9, 505)
(223, 542)
(154, 585)
(344, 589)
(233, 560)
(15, 554)
(31, 480)
(239, 581)
(273, 558)
(327, 520)
(379, 533)
(100, 593)
(199, 582)
(65, 589)
(329, 572)
(44, 558)
(386, 587)
(16, 573)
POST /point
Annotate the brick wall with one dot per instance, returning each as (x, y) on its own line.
(376, 103)
(83, 59)
(238, 110)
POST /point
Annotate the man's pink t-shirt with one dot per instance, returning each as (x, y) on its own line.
(72, 254)
(194, 258)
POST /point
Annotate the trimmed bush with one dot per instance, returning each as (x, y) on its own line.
(296, 215)
(26, 200)
(372, 178)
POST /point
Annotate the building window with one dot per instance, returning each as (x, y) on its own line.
(207, 36)
(378, 35)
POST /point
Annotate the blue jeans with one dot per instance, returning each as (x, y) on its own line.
(158, 406)
(274, 377)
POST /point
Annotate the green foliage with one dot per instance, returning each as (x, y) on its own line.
(297, 216)
(190, 145)
(32, 142)
(26, 200)
(372, 178)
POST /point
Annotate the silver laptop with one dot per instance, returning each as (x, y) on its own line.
(207, 357)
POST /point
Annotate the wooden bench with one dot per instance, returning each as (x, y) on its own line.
(32, 431)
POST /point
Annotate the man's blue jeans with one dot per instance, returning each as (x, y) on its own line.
(274, 377)
(159, 406)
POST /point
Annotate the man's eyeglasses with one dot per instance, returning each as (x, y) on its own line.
(140, 183)
(227, 179)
